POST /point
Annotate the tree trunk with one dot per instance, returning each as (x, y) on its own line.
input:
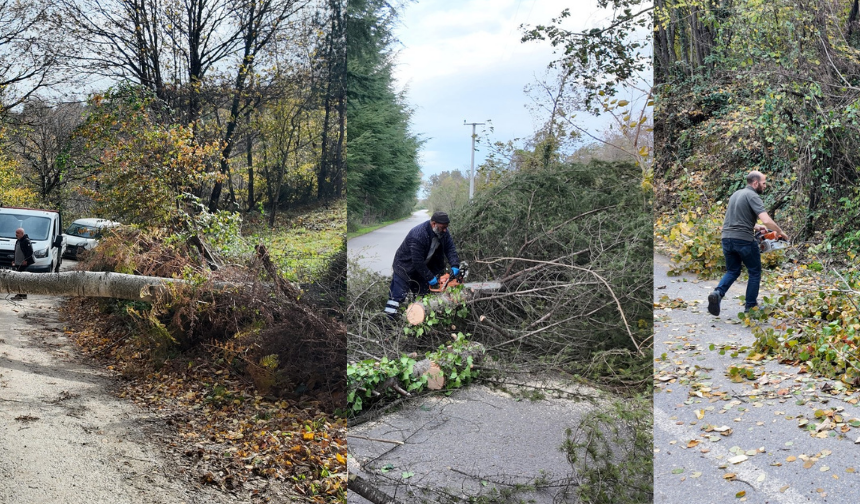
(249, 152)
(433, 370)
(86, 283)
(416, 312)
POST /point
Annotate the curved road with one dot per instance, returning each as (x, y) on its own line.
(375, 250)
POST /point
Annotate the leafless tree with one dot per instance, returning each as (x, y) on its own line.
(41, 137)
(30, 53)
(184, 50)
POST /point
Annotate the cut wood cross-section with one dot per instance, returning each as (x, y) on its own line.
(417, 311)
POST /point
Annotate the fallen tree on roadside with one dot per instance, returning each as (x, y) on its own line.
(570, 246)
(89, 284)
(159, 298)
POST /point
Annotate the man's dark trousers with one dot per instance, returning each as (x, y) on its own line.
(400, 288)
(739, 252)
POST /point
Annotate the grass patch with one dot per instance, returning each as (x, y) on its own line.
(303, 240)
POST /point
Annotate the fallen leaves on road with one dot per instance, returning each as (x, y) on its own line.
(750, 379)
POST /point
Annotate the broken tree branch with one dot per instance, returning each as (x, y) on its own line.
(589, 271)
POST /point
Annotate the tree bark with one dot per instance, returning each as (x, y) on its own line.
(360, 486)
(416, 312)
(86, 283)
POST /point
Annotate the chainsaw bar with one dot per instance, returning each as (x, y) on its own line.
(447, 280)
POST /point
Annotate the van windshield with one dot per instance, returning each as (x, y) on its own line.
(37, 228)
(83, 231)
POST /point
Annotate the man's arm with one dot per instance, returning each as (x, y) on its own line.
(770, 224)
(28, 252)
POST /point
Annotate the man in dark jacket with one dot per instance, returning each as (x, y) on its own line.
(23, 255)
(420, 259)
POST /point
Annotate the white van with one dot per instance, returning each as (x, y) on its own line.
(84, 234)
(45, 229)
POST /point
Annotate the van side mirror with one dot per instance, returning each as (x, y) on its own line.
(58, 242)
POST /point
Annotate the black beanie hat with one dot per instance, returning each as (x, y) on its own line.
(440, 217)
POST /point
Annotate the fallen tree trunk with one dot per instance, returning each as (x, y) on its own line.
(359, 485)
(87, 284)
(454, 363)
(416, 312)
(120, 285)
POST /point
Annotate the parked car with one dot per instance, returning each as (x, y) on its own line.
(44, 227)
(84, 234)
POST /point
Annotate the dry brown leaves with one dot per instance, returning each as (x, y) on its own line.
(230, 436)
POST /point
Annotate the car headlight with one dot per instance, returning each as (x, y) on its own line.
(41, 253)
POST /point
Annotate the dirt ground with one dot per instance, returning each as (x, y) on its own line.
(64, 437)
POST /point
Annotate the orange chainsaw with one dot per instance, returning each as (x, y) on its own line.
(768, 241)
(447, 280)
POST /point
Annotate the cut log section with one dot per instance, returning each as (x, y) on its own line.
(416, 312)
(433, 371)
(435, 377)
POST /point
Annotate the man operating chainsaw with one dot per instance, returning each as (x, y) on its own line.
(740, 245)
(420, 260)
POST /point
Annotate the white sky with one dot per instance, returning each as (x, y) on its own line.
(464, 61)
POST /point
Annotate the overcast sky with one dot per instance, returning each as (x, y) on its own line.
(464, 61)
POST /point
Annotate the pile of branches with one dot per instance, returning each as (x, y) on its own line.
(572, 246)
(262, 326)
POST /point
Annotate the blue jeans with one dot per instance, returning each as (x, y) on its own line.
(739, 252)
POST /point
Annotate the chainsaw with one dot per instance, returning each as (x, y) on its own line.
(447, 280)
(415, 312)
(768, 241)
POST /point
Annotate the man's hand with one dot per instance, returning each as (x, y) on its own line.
(455, 270)
(433, 281)
(759, 227)
(765, 218)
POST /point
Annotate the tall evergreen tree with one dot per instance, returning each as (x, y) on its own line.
(382, 153)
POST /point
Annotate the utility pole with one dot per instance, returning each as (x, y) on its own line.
(472, 172)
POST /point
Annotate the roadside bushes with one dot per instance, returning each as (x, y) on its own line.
(693, 240)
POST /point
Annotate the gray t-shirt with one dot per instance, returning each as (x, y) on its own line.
(19, 254)
(744, 207)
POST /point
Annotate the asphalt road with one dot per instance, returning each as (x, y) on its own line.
(777, 450)
(376, 249)
(474, 442)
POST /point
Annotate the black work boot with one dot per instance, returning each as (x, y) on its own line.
(714, 299)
